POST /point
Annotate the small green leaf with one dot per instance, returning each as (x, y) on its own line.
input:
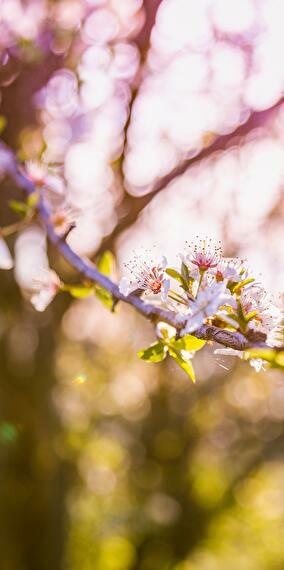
(267, 354)
(242, 284)
(105, 297)
(274, 357)
(178, 277)
(279, 359)
(175, 274)
(186, 365)
(24, 208)
(32, 200)
(18, 207)
(189, 343)
(106, 263)
(79, 292)
(185, 273)
(154, 353)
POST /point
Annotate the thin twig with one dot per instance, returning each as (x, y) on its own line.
(134, 205)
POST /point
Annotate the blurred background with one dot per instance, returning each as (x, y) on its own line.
(162, 119)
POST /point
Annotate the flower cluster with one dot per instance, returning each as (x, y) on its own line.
(44, 288)
(207, 288)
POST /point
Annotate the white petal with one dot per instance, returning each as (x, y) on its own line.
(168, 329)
(187, 354)
(257, 364)
(225, 317)
(165, 289)
(55, 184)
(6, 261)
(126, 287)
(164, 262)
(41, 300)
(230, 300)
(229, 352)
(193, 323)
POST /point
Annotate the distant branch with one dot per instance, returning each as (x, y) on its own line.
(132, 206)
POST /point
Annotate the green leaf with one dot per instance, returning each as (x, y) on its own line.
(279, 359)
(32, 200)
(154, 353)
(178, 277)
(186, 365)
(242, 284)
(188, 342)
(105, 297)
(274, 357)
(78, 291)
(175, 274)
(106, 263)
(185, 273)
(24, 208)
(267, 354)
(19, 207)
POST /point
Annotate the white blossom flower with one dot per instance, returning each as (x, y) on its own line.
(253, 298)
(267, 316)
(40, 174)
(203, 255)
(6, 261)
(36, 171)
(256, 363)
(45, 286)
(64, 219)
(228, 269)
(206, 304)
(146, 275)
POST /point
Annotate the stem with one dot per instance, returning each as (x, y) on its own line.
(177, 298)
(201, 271)
(17, 226)
(13, 228)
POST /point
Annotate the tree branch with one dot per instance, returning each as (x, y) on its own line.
(132, 206)
(235, 340)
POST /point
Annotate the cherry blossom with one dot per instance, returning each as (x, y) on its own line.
(207, 302)
(203, 255)
(45, 286)
(267, 317)
(36, 171)
(147, 275)
(44, 177)
(228, 269)
(64, 219)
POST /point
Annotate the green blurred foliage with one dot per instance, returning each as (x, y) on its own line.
(109, 463)
(170, 476)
